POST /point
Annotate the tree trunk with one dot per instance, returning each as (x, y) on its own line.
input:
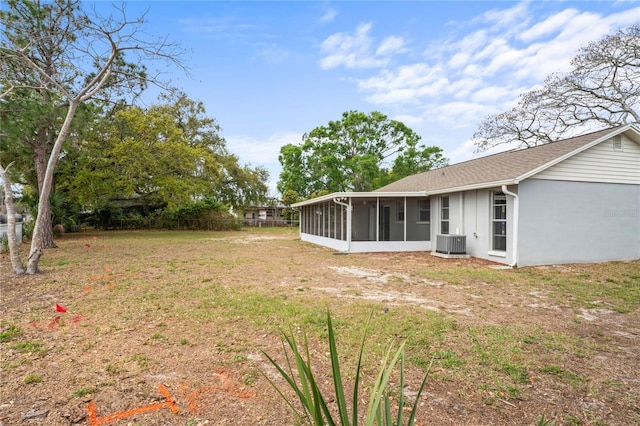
(40, 158)
(45, 192)
(14, 244)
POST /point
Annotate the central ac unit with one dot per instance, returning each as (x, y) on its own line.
(451, 244)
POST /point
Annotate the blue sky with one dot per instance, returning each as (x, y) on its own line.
(271, 71)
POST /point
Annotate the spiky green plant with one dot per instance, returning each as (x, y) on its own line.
(314, 404)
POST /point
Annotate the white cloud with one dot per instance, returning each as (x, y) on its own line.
(467, 151)
(391, 45)
(548, 26)
(491, 94)
(465, 87)
(479, 68)
(406, 84)
(263, 152)
(508, 20)
(409, 120)
(358, 50)
(328, 16)
(459, 60)
(456, 114)
(491, 66)
(273, 53)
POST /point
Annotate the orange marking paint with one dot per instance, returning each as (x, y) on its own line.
(54, 321)
(87, 289)
(192, 396)
(104, 277)
(94, 420)
(231, 387)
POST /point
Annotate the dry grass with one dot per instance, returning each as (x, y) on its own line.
(193, 311)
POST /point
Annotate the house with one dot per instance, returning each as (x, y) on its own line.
(271, 214)
(4, 226)
(571, 201)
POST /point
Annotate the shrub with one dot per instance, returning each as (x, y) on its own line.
(315, 410)
(4, 243)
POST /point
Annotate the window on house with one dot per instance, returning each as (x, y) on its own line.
(444, 215)
(424, 210)
(499, 221)
(617, 143)
(400, 211)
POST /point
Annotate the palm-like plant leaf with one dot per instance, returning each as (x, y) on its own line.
(314, 406)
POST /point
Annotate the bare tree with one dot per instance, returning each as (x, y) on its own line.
(53, 45)
(602, 89)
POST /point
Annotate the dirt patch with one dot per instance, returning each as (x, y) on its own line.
(171, 329)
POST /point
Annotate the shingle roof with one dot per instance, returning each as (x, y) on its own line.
(501, 167)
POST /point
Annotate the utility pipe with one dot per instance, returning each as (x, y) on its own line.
(516, 214)
(349, 208)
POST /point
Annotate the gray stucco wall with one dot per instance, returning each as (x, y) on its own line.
(573, 222)
(477, 224)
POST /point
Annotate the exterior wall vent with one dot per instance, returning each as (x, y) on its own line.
(617, 143)
(451, 244)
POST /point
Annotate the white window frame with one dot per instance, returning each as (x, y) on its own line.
(444, 209)
(421, 210)
(498, 196)
(400, 212)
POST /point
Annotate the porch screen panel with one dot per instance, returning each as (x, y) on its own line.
(343, 224)
(418, 217)
(303, 219)
(332, 221)
(339, 218)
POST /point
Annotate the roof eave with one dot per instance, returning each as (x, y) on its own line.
(397, 194)
(337, 195)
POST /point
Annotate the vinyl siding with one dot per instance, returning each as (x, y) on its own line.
(600, 163)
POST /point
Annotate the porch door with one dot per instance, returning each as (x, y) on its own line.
(385, 220)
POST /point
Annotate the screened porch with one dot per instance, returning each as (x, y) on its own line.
(367, 223)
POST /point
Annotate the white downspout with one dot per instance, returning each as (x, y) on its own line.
(349, 209)
(516, 214)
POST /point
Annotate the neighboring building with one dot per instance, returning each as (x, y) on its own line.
(271, 214)
(571, 201)
(4, 226)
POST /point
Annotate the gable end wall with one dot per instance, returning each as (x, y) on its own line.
(600, 163)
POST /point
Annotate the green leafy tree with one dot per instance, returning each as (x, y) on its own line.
(67, 58)
(290, 197)
(360, 152)
(162, 157)
(293, 177)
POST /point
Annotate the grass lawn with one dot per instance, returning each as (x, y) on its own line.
(170, 328)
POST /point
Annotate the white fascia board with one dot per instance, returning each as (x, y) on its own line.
(338, 195)
(623, 129)
(484, 185)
